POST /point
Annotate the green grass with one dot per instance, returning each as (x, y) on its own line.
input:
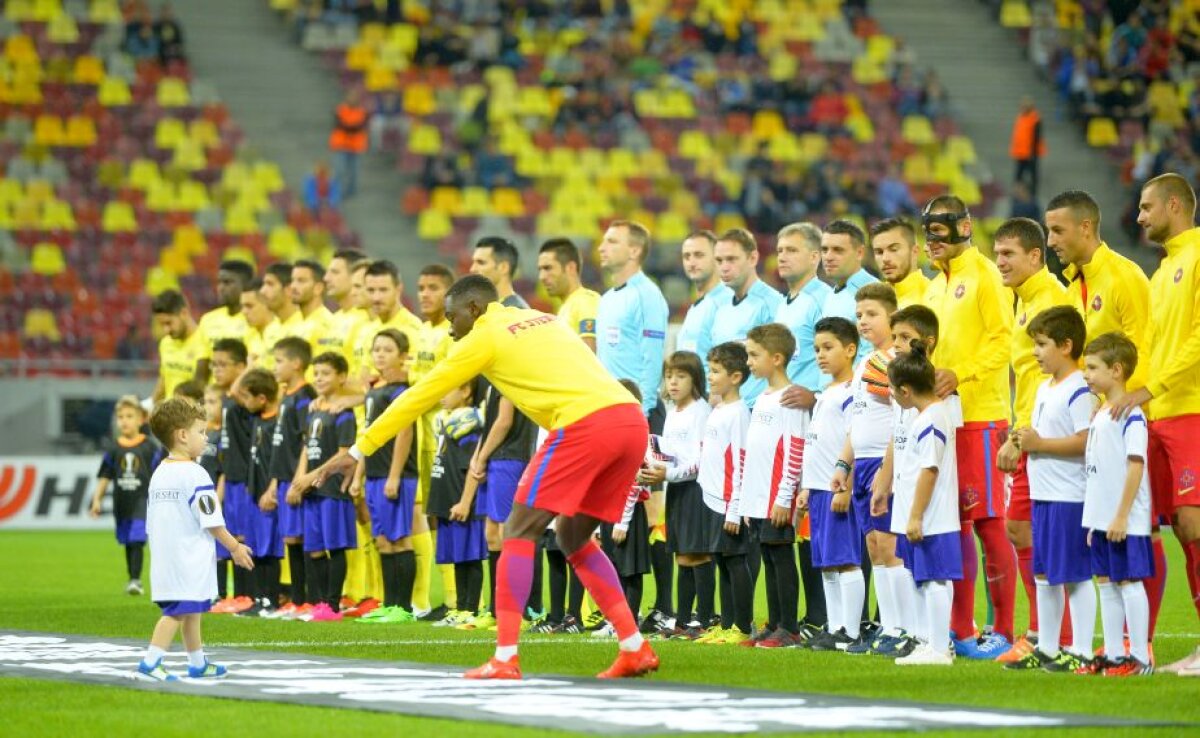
(72, 583)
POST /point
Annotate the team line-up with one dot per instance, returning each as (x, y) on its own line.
(851, 431)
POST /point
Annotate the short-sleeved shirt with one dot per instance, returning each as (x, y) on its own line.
(841, 303)
(631, 335)
(129, 466)
(326, 433)
(578, 311)
(260, 344)
(826, 436)
(262, 430)
(458, 434)
(177, 360)
(871, 413)
(1059, 411)
(800, 313)
(182, 507)
(210, 458)
(735, 318)
(925, 440)
(402, 320)
(1111, 443)
(379, 464)
(217, 324)
(318, 329)
(235, 441)
(695, 334)
(287, 442)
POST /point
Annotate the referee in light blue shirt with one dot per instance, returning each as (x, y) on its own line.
(700, 268)
(843, 249)
(798, 256)
(751, 303)
(631, 322)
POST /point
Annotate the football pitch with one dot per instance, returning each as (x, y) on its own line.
(71, 583)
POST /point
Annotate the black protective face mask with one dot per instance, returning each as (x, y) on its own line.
(950, 220)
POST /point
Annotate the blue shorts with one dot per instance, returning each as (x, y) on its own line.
(179, 608)
(864, 474)
(1060, 550)
(262, 535)
(936, 558)
(291, 517)
(237, 508)
(131, 530)
(835, 536)
(329, 524)
(459, 542)
(1127, 561)
(391, 519)
(503, 475)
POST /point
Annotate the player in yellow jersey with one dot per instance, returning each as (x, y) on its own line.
(580, 477)
(349, 315)
(226, 321)
(970, 300)
(1020, 246)
(559, 270)
(385, 291)
(179, 348)
(316, 321)
(894, 242)
(358, 353)
(433, 342)
(264, 329)
(276, 290)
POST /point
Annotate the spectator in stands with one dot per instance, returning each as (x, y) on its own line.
(141, 44)
(387, 119)
(348, 140)
(321, 189)
(828, 110)
(1027, 146)
(441, 170)
(493, 168)
(1022, 203)
(894, 197)
(935, 101)
(169, 35)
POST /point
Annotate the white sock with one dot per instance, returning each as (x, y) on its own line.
(153, 655)
(1112, 618)
(632, 643)
(854, 589)
(905, 590)
(1083, 617)
(505, 653)
(196, 658)
(1051, 601)
(1137, 614)
(939, 597)
(833, 599)
(921, 615)
(885, 595)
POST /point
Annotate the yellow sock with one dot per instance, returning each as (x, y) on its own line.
(422, 544)
(449, 587)
(373, 568)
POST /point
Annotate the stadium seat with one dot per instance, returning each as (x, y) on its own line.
(114, 92)
(1102, 132)
(1015, 14)
(434, 225)
(47, 259)
(118, 217)
(40, 323)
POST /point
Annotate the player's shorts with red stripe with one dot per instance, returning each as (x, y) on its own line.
(1020, 507)
(588, 466)
(980, 482)
(1174, 452)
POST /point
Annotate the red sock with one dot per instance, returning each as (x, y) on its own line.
(1001, 572)
(1192, 555)
(514, 577)
(1157, 584)
(1025, 565)
(601, 581)
(962, 611)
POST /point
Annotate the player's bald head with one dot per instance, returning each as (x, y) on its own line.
(466, 300)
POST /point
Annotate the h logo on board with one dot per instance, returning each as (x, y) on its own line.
(16, 485)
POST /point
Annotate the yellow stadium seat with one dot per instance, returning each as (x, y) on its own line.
(783, 66)
(104, 11)
(945, 169)
(237, 175)
(189, 155)
(160, 197)
(380, 79)
(867, 71)
(728, 221)
(961, 148)
(392, 58)
(57, 216)
(26, 214)
(563, 161)
(175, 261)
(418, 100)
(474, 203)
(372, 33)
(880, 47)
(39, 191)
(19, 10)
(532, 163)
(47, 259)
(861, 127)
(425, 140)
(404, 37)
(507, 202)
(114, 92)
(10, 191)
(81, 131)
(143, 173)
(1102, 133)
(40, 323)
(622, 163)
(204, 132)
(159, 280)
(62, 30)
(283, 242)
(118, 217)
(534, 101)
(433, 225)
(694, 144)
(20, 48)
(173, 92)
(672, 227)
(169, 133)
(917, 130)
(189, 239)
(446, 200)
(240, 221)
(360, 56)
(48, 131)
(1015, 14)
(592, 162)
(917, 169)
(768, 124)
(268, 177)
(968, 189)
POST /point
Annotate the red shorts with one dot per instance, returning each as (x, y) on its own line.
(1020, 507)
(589, 466)
(980, 482)
(1174, 461)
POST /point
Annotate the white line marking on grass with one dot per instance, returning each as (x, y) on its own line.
(400, 642)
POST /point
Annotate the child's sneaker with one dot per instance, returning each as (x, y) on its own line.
(241, 604)
(302, 613)
(208, 671)
(594, 620)
(779, 639)
(731, 637)
(323, 613)
(155, 673)
(569, 626)
(393, 615)
(655, 621)
(452, 619)
(432, 615)
(544, 627)
(992, 646)
(714, 634)
(281, 613)
(923, 655)
(1035, 659)
(1022, 648)
(223, 607)
(482, 621)
(1066, 663)
(606, 631)
(1127, 666)
(134, 587)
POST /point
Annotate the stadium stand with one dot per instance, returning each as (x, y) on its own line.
(122, 176)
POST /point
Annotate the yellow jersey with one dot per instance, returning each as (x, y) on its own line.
(1040, 292)
(259, 344)
(292, 326)
(402, 320)
(578, 311)
(529, 357)
(177, 360)
(1114, 295)
(219, 323)
(1172, 352)
(348, 324)
(318, 329)
(970, 299)
(433, 343)
(911, 290)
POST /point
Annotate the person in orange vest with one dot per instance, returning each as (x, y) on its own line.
(1027, 145)
(348, 140)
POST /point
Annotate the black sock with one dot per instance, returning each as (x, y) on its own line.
(685, 595)
(474, 586)
(788, 586)
(134, 555)
(493, 566)
(773, 608)
(297, 569)
(725, 592)
(754, 560)
(242, 583)
(556, 565)
(318, 583)
(406, 576)
(266, 576)
(814, 590)
(661, 564)
(866, 570)
(575, 597)
(222, 578)
(460, 586)
(741, 593)
(387, 566)
(337, 578)
(632, 585)
(535, 601)
(706, 589)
